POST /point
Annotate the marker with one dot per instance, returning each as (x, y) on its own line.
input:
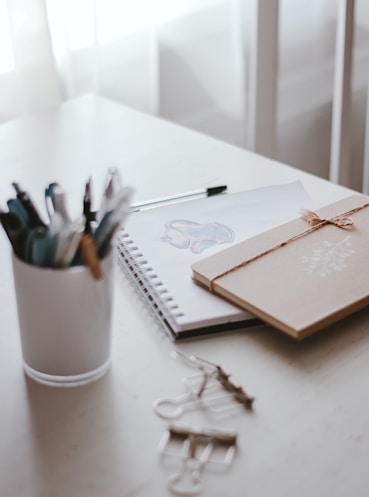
(208, 192)
(38, 247)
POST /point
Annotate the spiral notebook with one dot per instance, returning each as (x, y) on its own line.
(157, 247)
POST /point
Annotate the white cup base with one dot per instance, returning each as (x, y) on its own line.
(66, 381)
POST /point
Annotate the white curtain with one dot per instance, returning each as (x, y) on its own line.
(51, 50)
(186, 60)
(28, 80)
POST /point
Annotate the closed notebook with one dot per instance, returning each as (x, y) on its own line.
(299, 277)
(157, 247)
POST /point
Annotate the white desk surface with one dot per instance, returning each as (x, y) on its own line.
(309, 432)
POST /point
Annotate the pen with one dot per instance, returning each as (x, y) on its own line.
(60, 203)
(16, 207)
(87, 207)
(15, 230)
(112, 188)
(23, 197)
(67, 237)
(208, 192)
(63, 241)
(90, 256)
(49, 198)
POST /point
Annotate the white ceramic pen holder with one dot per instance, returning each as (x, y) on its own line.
(65, 322)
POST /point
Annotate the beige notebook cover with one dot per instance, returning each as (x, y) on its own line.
(298, 277)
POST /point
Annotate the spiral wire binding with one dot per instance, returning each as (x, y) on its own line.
(147, 284)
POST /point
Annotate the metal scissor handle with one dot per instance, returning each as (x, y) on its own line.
(173, 407)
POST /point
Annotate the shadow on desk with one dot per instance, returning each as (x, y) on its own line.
(346, 338)
(276, 369)
(83, 439)
(68, 426)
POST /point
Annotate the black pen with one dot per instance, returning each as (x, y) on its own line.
(23, 197)
(15, 230)
(208, 192)
(87, 207)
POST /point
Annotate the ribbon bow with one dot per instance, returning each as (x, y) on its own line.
(314, 220)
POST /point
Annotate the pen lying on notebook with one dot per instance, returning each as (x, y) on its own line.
(208, 192)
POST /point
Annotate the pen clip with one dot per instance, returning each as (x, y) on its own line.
(55, 201)
(49, 199)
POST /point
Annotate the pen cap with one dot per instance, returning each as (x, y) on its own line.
(65, 321)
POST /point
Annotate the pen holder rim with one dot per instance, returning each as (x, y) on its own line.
(75, 268)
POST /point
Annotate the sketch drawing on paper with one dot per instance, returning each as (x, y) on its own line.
(328, 257)
(196, 237)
